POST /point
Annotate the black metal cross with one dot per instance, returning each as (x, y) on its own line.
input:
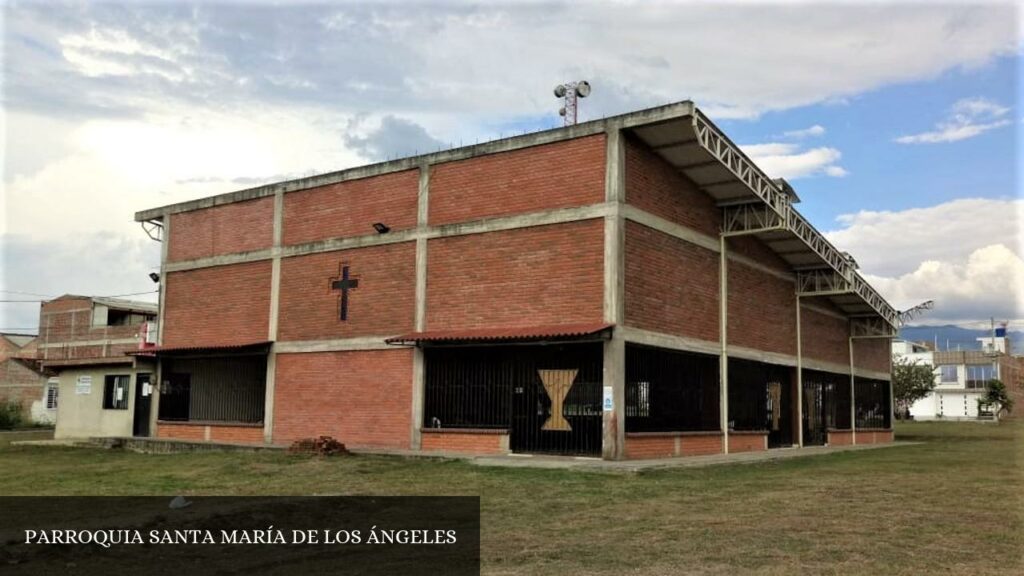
(344, 283)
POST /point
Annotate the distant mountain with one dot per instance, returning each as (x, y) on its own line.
(954, 337)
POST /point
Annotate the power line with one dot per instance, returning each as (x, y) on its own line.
(27, 293)
(110, 296)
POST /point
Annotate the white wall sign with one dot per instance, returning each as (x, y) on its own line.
(83, 385)
(609, 399)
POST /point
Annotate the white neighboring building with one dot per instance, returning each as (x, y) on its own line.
(960, 377)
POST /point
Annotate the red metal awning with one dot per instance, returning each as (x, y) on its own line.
(523, 334)
(215, 349)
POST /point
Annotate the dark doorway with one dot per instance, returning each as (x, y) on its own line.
(175, 393)
(826, 405)
(760, 398)
(143, 395)
(547, 396)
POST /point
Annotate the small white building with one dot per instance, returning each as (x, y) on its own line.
(961, 377)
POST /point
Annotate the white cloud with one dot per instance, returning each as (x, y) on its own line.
(111, 109)
(91, 263)
(816, 130)
(785, 160)
(964, 254)
(114, 167)
(987, 284)
(966, 118)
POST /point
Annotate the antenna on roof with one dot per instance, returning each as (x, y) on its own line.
(569, 92)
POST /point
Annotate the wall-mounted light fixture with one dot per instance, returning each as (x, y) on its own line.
(154, 276)
(381, 228)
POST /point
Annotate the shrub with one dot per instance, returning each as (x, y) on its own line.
(10, 415)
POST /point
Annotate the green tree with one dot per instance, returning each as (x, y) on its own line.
(996, 395)
(911, 381)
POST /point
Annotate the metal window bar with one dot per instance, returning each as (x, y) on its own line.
(872, 403)
(216, 389)
(760, 398)
(670, 391)
(115, 391)
(826, 405)
(501, 387)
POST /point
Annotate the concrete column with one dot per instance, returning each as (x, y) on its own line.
(154, 401)
(892, 400)
(723, 337)
(853, 404)
(799, 380)
(420, 321)
(614, 417)
(275, 300)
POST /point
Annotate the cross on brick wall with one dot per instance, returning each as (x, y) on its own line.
(344, 283)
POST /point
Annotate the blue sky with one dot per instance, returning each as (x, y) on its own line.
(896, 123)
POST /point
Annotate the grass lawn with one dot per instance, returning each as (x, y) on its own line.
(950, 505)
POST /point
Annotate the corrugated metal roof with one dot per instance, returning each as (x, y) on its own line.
(201, 349)
(85, 361)
(528, 333)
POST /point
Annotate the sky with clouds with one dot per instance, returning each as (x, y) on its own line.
(897, 124)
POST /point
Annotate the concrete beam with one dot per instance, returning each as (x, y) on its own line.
(713, 348)
(697, 238)
(483, 226)
(655, 115)
(337, 345)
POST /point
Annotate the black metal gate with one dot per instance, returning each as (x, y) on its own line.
(547, 396)
(826, 405)
(760, 398)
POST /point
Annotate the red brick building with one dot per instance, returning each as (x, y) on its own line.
(23, 381)
(84, 344)
(631, 287)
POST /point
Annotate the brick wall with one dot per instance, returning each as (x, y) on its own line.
(68, 321)
(238, 227)
(747, 443)
(840, 438)
(20, 384)
(671, 284)
(7, 349)
(651, 446)
(762, 310)
(824, 337)
(756, 250)
(382, 303)
(665, 445)
(543, 275)
(700, 445)
(558, 175)
(221, 305)
(181, 431)
(237, 434)
(361, 398)
(211, 433)
(464, 442)
(872, 354)
(350, 208)
(653, 185)
(874, 436)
